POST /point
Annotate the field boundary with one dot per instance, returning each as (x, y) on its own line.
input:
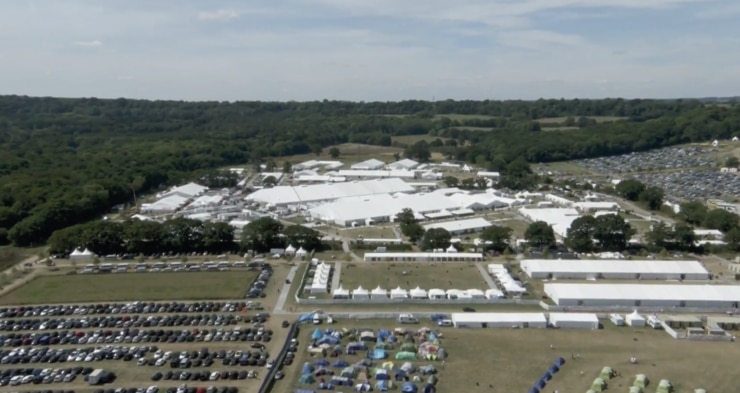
(528, 302)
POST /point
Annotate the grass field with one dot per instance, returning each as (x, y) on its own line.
(411, 139)
(378, 232)
(562, 167)
(132, 286)
(599, 119)
(350, 153)
(411, 275)
(10, 255)
(559, 128)
(511, 360)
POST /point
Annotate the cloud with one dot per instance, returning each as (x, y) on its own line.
(126, 77)
(89, 44)
(218, 15)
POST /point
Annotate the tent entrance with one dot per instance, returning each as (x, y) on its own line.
(484, 324)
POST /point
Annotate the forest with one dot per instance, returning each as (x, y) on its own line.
(67, 161)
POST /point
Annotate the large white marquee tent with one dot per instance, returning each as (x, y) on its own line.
(610, 269)
(499, 320)
(559, 219)
(293, 195)
(574, 320)
(645, 295)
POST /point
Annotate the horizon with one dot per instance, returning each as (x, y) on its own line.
(371, 50)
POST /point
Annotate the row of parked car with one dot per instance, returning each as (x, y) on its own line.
(61, 355)
(204, 375)
(22, 376)
(155, 389)
(120, 322)
(124, 308)
(136, 336)
(257, 289)
(203, 358)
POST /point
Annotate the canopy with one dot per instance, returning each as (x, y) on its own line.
(317, 334)
(290, 249)
(301, 252)
(640, 380)
(406, 356)
(598, 385)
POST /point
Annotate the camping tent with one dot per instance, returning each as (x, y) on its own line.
(664, 386)
(437, 293)
(409, 387)
(635, 389)
(408, 347)
(321, 363)
(348, 372)
(387, 365)
(599, 385)
(399, 293)
(606, 373)
(316, 334)
(306, 379)
(382, 385)
(451, 249)
(377, 354)
(405, 356)
(427, 348)
(340, 364)
(418, 293)
(700, 390)
(641, 381)
(635, 320)
(307, 368)
(432, 380)
(340, 293)
(428, 388)
(408, 367)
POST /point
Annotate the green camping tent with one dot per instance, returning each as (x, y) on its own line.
(406, 356)
(700, 390)
(590, 391)
(307, 379)
(635, 389)
(408, 347)
(664, 386)
(432, 379)
(599, 385)
(641, 381)
(606, 373)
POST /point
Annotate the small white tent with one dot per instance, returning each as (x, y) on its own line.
(476, 294)
(360, 293)
(340, 293)
(290, 250)
(379, 293)
(494, 294)
(399, 293)
(81, 255)
(418, 293)
(451, 249)
(301, 252)
(437, 293)
(635, 320)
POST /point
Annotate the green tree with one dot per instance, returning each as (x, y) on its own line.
(419, 151)
(183, 235)
(732, 238)
(540, 234)
(581, 233)
(612, 232)
(269, 181)
(103, 237)
(721, 219)
(316, 149)
(436, 238)
(218, 237)
(683, 236)
(287, 167)
(732, 162)
(334, 152)
(693, 212)
(652, 197)
(262, 234)
(630, 189)
(496, 238)
(467, 183)
(451, 181)
(66, 240)
(144, 237)
(300, 236)
(406, 216)
(413, 231)
(659, 235)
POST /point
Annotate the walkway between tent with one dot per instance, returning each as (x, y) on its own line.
(335, 280)
(487, 277)
(285, 291)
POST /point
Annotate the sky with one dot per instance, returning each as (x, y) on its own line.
(369, 50)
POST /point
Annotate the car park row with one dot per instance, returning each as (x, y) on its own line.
(152, 389)
(257, 289)
(125, 308)
(119, 322)
(135, 336)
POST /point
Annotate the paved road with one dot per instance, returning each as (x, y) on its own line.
(486, 276)
(397, 232)
(337, 275)
(285, 291)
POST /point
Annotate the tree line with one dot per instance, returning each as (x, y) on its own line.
(180, 236)
(68, 161)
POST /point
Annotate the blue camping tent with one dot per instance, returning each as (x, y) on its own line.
(316, 334)
(541, 384)
(377, 354)
(307, 368)
(429, 388)
(383, 376)
(392, 339)
(321, 362)
(305, 391)
(382, 385)
(559, 362)
(553, 369)
(383, 334)
(409, 387)
(304, 318)
(340, 363)
(547, 376)
(534, 389)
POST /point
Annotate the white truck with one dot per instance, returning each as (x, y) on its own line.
(407, 318)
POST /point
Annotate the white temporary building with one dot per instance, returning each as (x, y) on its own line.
(559, 219)
(290, 250)
(458, 227)
(611, 269)
(369, 164)
(320, 283)
(574, 320)
(418, 293)
(476, 293)
(379, 208)
(495, 268)
(405, 163)
(494, 294)
(306, 194)
(635, 320)
(436, 293)
(360, 294)
(340, 293)
(399, 293)
(373, 173)
(378, 293)
(423, 257)
(78, 254)
(558, 200)
(487, 174)
(301, 252)
(187, 191)
(499, 320)
(645, 295)
(167, 204)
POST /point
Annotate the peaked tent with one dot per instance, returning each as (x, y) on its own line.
(290, 250)
(606, 373)
(641, 381)
(598, 385)
(409, 387)
(301, 252)
(306, 379)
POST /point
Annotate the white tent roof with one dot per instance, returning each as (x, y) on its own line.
(399, 291)
(341, 291)
(87, 252)
(379, 291)
(368, 164)
(360, 291)
(189, 190)
(460, 225)
(418, 292)
(531, 266)
(559, 219)
(451, 248)
(290, 248)
(556, 317)
(437, 292)
(301, 251)
(677, 293)
(382, 205)
(324, 192)
(635, 316)
(475, 292)
(486, 317)
(405, 163)
(77, 251)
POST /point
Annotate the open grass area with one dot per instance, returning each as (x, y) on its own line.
(512, 360)
(410, 275)
(562, 168)
(350, 153)
(411, 139)
(10, 255)
(564, 128)
(373, 232)
(132, 286)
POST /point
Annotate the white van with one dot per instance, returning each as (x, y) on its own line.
(444, 322)
(407, 318)
(316, 319)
